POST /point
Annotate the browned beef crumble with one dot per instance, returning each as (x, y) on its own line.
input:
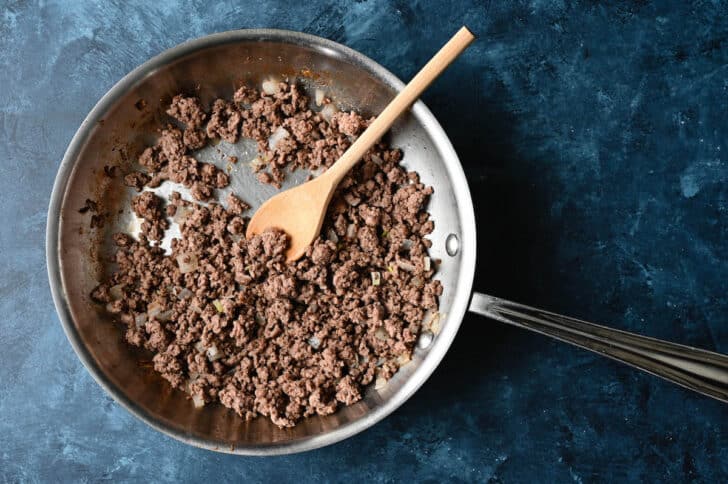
(187, 110)
(224, 121)
(98, 219)
(228, 319)
(89, 205)
(110, 171)
(148, 207)
(136, 180)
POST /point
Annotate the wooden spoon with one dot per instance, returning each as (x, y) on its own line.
(300, 211)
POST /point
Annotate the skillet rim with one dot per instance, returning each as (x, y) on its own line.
(424, 116)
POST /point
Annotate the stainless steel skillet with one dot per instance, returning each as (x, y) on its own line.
(117, 129)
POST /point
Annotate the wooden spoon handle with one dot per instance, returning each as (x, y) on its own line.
(401, 102)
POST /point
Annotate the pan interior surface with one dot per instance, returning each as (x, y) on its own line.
(122, 125)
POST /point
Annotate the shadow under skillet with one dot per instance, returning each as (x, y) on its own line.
(513, 246)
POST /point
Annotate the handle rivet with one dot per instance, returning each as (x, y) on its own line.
(425, 340)
(452, 245)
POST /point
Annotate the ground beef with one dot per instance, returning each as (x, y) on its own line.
(171, 143)
(169, 159)
(194, 139)
(228, 319)
(187, 110)
(348, 123)
(235, 205)
(225, 121)
(151, 159)
(148, 206)
(137, 180)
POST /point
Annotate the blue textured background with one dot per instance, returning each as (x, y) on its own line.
(594, 136)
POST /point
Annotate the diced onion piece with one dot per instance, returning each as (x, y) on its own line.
(278, 135)
(405, 266)
(154, 309)
(257, 163)
(427, 263)
(140, 320)
(319, 97)
(184, 293)
(406, 244)
(218, 305)
(198, 401)
(428, 318)
(332, 236)
(352, 199)
(314, 342)
(351, 231)
(380, 334)
(435, 323)
(214, 354)
(403, 359)
(116, 292)
(328, 112)
(376, 278)
(187, 263)
(194, 376)
(200, 347)
(380, 383)
(432, 321)
(270, 86)
(377, 159)
(134, 227)
(183, 212)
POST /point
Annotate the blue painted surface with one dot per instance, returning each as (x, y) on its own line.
(595, 138)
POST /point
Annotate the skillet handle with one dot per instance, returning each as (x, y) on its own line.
(698, 370)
